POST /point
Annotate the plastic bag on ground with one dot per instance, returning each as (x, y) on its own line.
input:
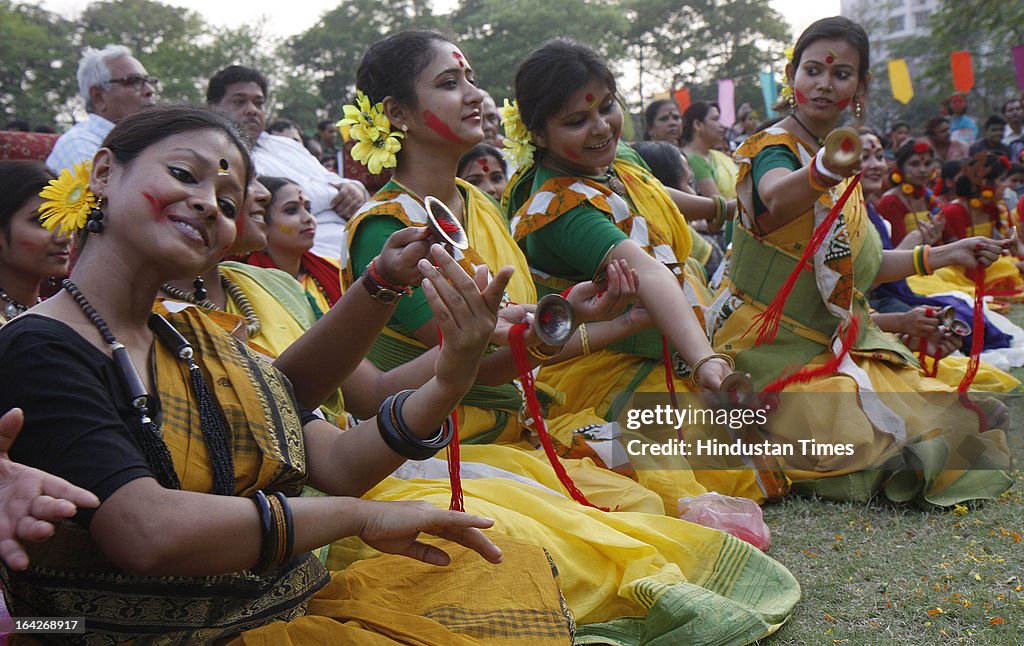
(740, 517)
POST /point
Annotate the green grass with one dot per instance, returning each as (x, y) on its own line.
(886, 574)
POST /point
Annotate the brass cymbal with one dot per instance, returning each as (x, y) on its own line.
(553, 320)
(842, 146)
(443, 224)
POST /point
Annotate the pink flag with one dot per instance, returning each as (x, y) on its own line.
(727, 102)
(1018, 62)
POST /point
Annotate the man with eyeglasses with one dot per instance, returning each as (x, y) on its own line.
(114, 85)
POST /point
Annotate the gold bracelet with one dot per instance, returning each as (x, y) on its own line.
(537, 354)
(584, 341)
(700, 362)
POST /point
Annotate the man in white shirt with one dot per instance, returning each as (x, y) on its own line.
(1013, 112)
(240, 93)
(114, 85)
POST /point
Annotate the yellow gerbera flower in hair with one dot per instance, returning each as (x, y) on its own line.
(376, 146)
(69, 200)
(518, 140)
(379, 154)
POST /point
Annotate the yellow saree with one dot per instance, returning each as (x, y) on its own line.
(919, 421)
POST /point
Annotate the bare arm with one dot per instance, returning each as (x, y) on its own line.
(147, 529)
(316, 363)
(697, 207)
(969, 252)
(671, 312)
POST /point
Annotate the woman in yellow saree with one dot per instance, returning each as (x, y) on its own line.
(904, 434)
(206, 441)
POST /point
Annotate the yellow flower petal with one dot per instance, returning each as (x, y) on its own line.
(69, 200)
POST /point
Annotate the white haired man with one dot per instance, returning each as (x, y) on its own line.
(114, 85)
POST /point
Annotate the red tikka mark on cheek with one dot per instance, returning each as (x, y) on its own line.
(571, 154)
(440, 127)
(154, 202)
(842, 105)
(458, 58)
(240, 223)
(800, 98)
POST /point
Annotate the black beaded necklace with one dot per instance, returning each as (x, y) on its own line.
(211, 422)
(819, 140)
(253, 325)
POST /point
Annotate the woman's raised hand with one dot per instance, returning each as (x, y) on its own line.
(394, 528)
(31, 501)
(465, 310)
(398, 260)
(602, 302)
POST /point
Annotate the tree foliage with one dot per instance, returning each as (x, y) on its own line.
(329, 52)
(38, 68)
(672, 42)
(995, 27)
(497, 34)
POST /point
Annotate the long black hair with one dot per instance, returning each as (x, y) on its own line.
(551, 73)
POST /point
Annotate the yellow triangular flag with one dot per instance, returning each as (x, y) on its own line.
(899, 81)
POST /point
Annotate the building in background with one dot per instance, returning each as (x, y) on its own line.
(889, 20)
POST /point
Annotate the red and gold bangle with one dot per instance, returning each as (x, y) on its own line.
(379, 279)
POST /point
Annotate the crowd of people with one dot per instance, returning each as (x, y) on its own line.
(250, 382)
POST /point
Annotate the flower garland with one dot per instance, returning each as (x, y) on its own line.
(69, 200)
(518, 140)
(376, 145)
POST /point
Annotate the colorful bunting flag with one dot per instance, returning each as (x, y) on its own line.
(727, 102)
(963, 72)
(899, 81)
(1018, 62)
(769, 92)
(682, 97)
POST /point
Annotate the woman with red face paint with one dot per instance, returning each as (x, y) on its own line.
(432, 102)
(196, 449)
(795, 316)
(29, 253)
(979, 210)
(411, 73)
(290, 230)
(909, 204)
(915, 318)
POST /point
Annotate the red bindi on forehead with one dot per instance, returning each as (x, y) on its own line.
(483, 164)
(458, 58)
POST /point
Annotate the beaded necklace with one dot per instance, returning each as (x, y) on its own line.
(819, 140)
(211, 422)
(253, 325)
(12, 307)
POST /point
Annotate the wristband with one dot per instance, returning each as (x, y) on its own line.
(819, 165)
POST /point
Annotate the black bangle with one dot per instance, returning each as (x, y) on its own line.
(400, 439)
(289, 545)
(268, 543)
(441, 439)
